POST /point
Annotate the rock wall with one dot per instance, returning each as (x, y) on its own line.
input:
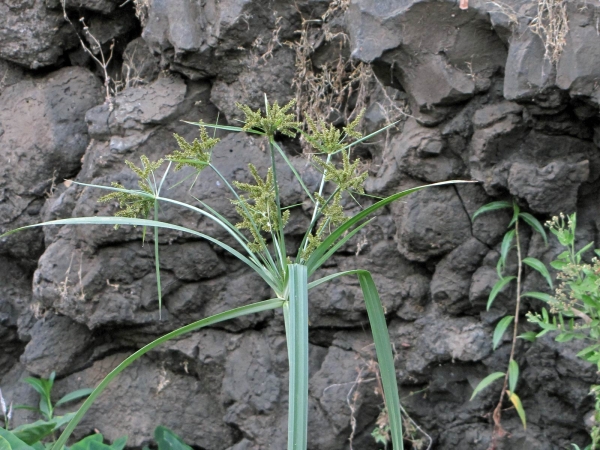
(479, 99)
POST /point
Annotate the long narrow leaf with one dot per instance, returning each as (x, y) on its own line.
(539, 295)
(330, 240)
(265, 275)
(513, 374)
(504, 249)
(493, 206)
(497, 288)
(227, 315)
(341, 242)
(501, 329)
(536, 264)
(75, 395)
(331, 277)
(294, 171)
(486, 382)
(297, 336)
(516, 401)
(535, 224)
(385, 357)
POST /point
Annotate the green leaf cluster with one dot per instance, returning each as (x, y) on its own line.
(275, 119)
(259, 210)
(196, 155)
(136, 204)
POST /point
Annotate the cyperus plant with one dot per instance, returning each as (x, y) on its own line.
(263, 248)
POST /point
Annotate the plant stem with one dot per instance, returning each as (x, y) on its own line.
(296, 321)
(499, 432)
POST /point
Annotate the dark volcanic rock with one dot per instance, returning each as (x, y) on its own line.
(33, 35)
(43, 141)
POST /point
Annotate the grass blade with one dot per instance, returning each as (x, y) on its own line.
(295, 172)
(385, 357)
(227, 315)
(264, 274)
(339, 231)
(297, 337)
(486, 382)
(501, 329)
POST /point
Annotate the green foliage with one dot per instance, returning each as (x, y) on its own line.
(575, 304)
(276, 119)
(136, 204)
(259, 211)
(263, 216)
(196, 154)
(511, 236)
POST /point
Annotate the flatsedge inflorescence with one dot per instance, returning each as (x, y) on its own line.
(276, 119)
(259, 211)
(259, 206)
(135, 205)
(197, 154)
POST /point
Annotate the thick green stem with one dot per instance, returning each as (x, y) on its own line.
(296, 315)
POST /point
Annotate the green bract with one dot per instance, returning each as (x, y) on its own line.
(264, 247)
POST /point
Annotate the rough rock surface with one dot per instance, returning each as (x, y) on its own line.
(483, 103)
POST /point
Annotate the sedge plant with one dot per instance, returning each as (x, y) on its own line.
(261, 242)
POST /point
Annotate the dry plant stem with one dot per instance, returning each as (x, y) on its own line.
(499, 432)
(102, 61)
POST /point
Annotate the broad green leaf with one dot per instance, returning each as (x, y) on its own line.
(37, 384)
(297, 338)
(516, 401)
(535, 224)
(513, 374)
(486, 382)
(539, 295)
(492, 207)
(31, 433)
(4, 445)
(559, 265)
(385, 358)
(505, 248)
(14, 442)
(119, 444)
(227, 315)
(167, 440)
(536, 264)
(529, 336)
(497, 288)
(75, 395)
(500, 330)
(339, 231)
(85, 443)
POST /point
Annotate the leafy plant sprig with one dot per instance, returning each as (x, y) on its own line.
(510, 240)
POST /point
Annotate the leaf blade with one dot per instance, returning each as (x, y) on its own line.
(493, 206)
(486, 382)
(220, 317)
(497, 288)
(501, 327)
(513, 374)
(540, 267)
